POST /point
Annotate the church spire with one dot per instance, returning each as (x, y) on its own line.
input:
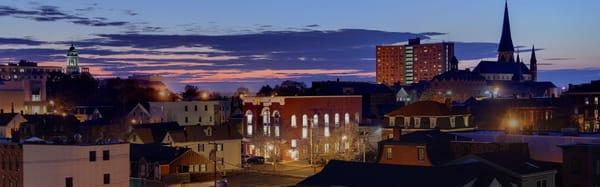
(454, 64)
(505, 47)
(533, 64)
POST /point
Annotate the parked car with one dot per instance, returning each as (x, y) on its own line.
(245, 158)
(256, 160)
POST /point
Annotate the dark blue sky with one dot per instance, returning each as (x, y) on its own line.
(226, 44)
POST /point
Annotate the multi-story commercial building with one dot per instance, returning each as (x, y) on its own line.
(23, 87)
(11, 161)
(584, 103)
(429, 115)
(411, 63)
(286, 127)
(214, 112)
(76, 165)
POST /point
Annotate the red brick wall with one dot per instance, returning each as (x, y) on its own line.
(11, 165)
(299, 105)
(404, 155)
(389, 64)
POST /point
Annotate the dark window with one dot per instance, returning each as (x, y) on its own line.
(105, 155)
(184, 169)
(92, 156)
(107, 178)
(185, 108)
(200, 147)
(199, 119)
(205, 107)
(421, 153)
(186, 119)
(195, 107)
(541, 183)
(69, 182)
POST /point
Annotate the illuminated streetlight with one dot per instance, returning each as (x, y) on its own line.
(513, 123)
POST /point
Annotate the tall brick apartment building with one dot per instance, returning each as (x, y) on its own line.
(411, 63)
(286, 127)
(11, 161)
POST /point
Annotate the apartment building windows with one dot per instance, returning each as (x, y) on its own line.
(92, 156)
(106, 155)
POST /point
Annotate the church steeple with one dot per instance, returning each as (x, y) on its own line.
(533, 64)
(72, 61)
(505, 47)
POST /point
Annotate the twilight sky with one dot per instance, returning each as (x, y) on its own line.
(224, 44)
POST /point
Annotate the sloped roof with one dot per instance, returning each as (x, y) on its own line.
(6, 117)
(345, 173)
(518, 164)
(425, 108)
(464, 75)
(501, 67)
(155, 152)
(154, 132)
(201, 133)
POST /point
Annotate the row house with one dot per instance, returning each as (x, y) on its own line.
(287, 127)
(584, 102)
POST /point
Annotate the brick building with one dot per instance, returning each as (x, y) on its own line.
(286, 127)
(11, 161)
(584, 100)
(581, 164)
(411, 63)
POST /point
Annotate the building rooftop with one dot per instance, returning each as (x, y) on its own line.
(463, 75)
(501, 67)
(154, 132)
(426, 108)
(6, 117)
(205, 133)
(345, 173)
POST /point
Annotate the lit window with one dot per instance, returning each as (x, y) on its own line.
(346, 119)
(315, 121)
(294, 143)
(388, 153)
(452, 122)
(420, 153)
(293, 121)
(337, 120)
(326, 119)
(541, 183)
(277, 131)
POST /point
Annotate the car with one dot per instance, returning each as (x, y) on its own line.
(245, 158)
(256, 160)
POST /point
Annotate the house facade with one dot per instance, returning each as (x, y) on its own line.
(286, 127)
(191, 112)
(76, 165)
(9, 123)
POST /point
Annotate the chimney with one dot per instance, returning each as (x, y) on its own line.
(397, 132)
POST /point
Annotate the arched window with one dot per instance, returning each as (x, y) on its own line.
(315, 120)
(249, 123)
(346, 119)
(266, 115)
(304, 126)
(357, 117)
(304, 120)
(293, 121)
(276, 117)
(326, 120)
(337, 120)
